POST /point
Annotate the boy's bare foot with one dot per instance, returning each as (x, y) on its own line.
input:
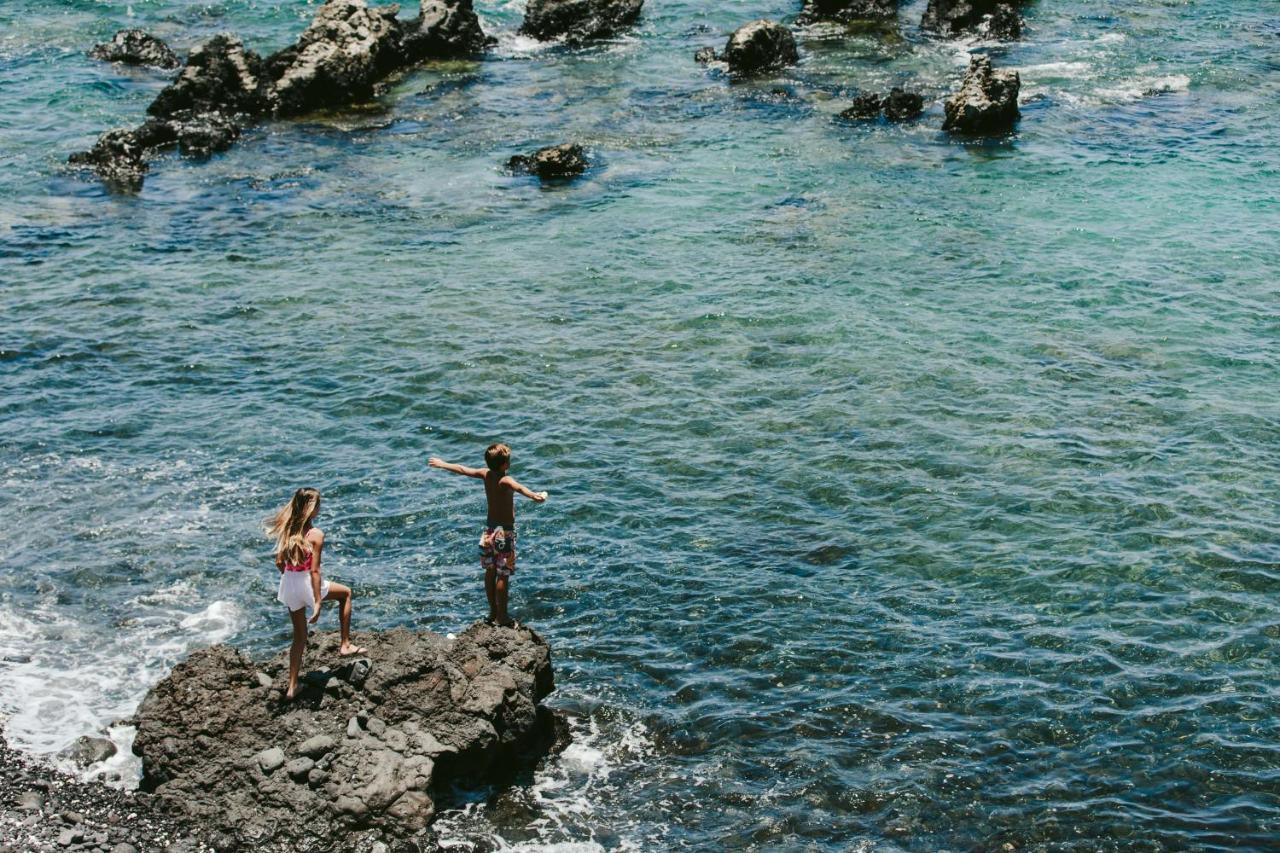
(348, 649)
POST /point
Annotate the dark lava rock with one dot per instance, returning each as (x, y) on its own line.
(87, 751)
(464, 709)
(987, 102)
(847, 11)
(577, 21)
(118, 158)
(705, 55)
(134, 47)
(221, 76)
(338, 59)
(443, 29)
(557, 161)
(760, 46)
(900, 105)
(956, 17)
(865, 107)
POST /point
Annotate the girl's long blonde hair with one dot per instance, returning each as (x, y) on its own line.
(288, 526)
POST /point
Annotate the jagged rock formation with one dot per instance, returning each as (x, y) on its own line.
(557, 161)
(898, 105)
(346, 52)
(577, 21)
(997, 19)
(360, 752)
(847, 11)
(986, 103)
(134, 47)
(760, 46)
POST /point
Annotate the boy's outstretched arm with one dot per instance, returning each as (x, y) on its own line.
(531, 495)
(437, 462)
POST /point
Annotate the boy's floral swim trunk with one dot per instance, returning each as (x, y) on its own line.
(498, 551)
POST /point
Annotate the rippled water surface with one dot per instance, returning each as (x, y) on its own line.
(905, 494)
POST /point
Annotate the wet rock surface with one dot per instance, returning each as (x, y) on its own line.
(567, 160)
(847, 11)
(998, 19)
(135, 47)
(577, 21)
(361, 752)
(760, 46)
(898, 105)
(443, 29)
(986, 103)
(338, 59)
(43, 810)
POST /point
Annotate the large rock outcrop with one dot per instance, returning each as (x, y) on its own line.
(986, 103)
(444, 28)
(760, 46)
(997, 19)
(342, 57)
(363, 749)
(135, 47)
(848, 11)
(577, 21)
(338, 59)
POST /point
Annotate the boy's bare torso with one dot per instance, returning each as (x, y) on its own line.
(502, 502)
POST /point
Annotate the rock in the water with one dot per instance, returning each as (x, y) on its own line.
(997, 18)
(134, 47)
(847, 11)
(557, 161)
(577, 21)
(338, 59)
(865, 107)
(221, 76)
(987, 102)
(901, 105)
(444, 28)
(445, 710)
(705, 55)
(760, 46)
(87, 751)
(118, 158)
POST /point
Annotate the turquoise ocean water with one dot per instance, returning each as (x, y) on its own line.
(905, 493)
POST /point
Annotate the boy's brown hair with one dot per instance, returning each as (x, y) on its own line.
(497, 455)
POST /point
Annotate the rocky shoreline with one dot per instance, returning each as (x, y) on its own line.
(355, 763)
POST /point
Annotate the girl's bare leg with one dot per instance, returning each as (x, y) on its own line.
(343, 595)
(299, 619)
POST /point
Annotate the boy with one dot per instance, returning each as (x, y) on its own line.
(498, 544)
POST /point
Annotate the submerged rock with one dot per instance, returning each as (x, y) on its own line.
(987, 101)
(118, 158)
(135, 47)
(997, 18)
(705, 55)
(865, 107)
(216, 749)
(898, 105)
(760, 46)
(578, 20)
(557, 161)
(901, 105)
(847, 11)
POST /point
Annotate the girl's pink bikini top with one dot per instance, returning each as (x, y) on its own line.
(304, 566)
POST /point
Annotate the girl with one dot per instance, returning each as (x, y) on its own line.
(298, 547)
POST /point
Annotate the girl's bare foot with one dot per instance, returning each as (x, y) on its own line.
(348, 649)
